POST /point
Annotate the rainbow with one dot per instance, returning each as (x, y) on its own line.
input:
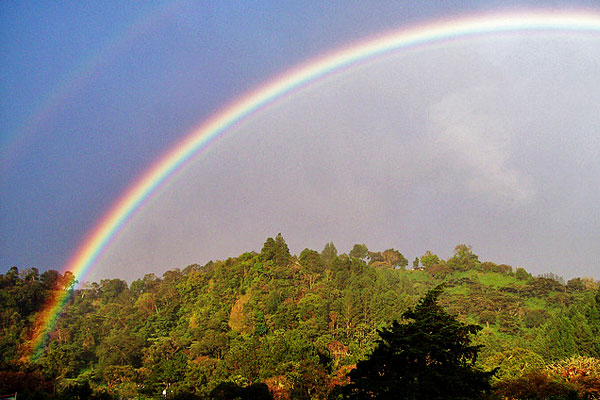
(134, 198)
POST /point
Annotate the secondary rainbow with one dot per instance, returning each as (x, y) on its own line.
(12, 143)
(133, 199)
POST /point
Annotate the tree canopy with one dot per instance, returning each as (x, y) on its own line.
(298, 325)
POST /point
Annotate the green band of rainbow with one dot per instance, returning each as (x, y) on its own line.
(199, 139)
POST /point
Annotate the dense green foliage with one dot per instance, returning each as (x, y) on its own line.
(429, 357)
(296, 325)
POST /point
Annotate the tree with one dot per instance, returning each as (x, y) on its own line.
(374, 257)
(430, 356)
(521, 274)
(232, 391)
(282, 252)
(388, 258)
(312, 265)
(110, 289)
(514, 363)
(534, 385)
(429, 259)
(359, 251)
(394, 258)
(48, 278)
(463, 259)
(329, 253)
(276, 250)
(416, 263)
(581, 373)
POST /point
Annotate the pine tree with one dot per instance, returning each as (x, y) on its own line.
(428, 357)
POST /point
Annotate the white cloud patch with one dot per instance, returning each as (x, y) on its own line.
(467, 138)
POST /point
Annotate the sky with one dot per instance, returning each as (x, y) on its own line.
(490, 141)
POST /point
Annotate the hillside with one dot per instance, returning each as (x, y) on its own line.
(297, 324)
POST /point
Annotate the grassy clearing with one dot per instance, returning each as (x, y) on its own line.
(418, 275)
(472, 274)
(497, 280)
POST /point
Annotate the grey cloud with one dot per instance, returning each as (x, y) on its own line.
(474, 142)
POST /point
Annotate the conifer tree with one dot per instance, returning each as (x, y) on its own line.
(428, 357)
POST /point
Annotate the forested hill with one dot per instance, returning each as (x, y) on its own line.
(293, 324)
